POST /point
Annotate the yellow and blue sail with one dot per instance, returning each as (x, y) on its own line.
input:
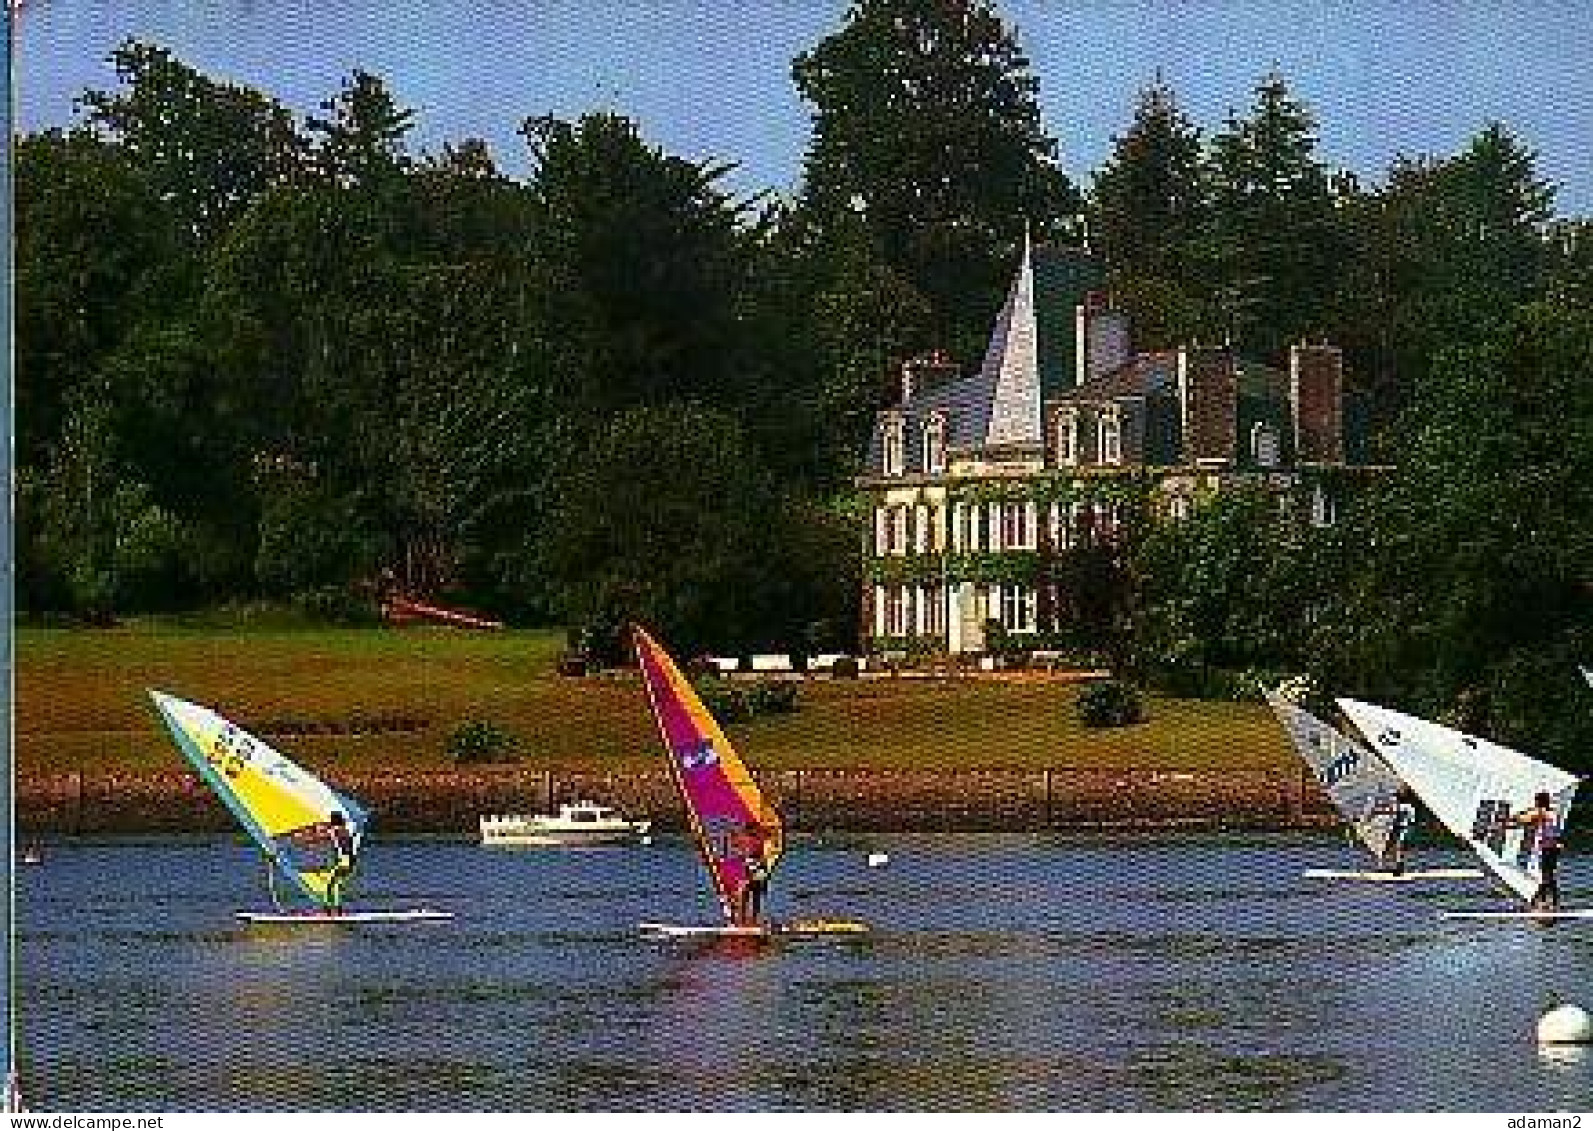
(732, 822)
(283, 807)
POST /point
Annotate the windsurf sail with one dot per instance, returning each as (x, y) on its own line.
(1359, 783)
(283, 807)
(1473, 786)
(734, 826)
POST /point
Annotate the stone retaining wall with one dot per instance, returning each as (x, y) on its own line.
(450, 801)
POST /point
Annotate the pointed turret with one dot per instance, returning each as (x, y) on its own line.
(1012, 364)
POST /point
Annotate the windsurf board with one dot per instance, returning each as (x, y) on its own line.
(412, 915)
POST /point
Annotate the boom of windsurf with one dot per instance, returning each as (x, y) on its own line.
(1475, 787)
(1361, 786)
(736, 831)
(285, 810)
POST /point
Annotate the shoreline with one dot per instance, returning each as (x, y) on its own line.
(451, 801)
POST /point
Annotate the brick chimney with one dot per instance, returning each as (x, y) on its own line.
(1316, 400)
(1208, 398)
(925, 372)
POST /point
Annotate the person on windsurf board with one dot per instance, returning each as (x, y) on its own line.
(1401, 814)
(1546, 825)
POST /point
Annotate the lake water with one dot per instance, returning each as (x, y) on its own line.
(1006, 972)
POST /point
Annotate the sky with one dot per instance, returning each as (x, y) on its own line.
(711, 79)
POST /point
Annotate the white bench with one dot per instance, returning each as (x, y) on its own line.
(772, 663)
(1047, 658)
(724, 664)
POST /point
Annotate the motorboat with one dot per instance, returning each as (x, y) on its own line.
(576, 823)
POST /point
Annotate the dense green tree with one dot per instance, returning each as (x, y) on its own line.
(1476, 598)
(93, 242)
(927, 126)
(667, 517)
(362, 138)
(1274, 239)
(640, 262)
(208, 148)
(1147, 207)
(1445, 250)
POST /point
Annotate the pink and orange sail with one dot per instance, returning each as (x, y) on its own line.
(733, 824)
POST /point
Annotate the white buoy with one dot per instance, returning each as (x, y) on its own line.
(878, 859)
(1565, 1025)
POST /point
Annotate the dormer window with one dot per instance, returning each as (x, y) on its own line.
(895, 446)
(1110, 434)
(1264, 445)
(1067, 437)
(935, 445)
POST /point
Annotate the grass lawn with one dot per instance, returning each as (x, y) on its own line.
(80, 705)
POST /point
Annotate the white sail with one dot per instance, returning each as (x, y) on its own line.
(1472, 785)
(1587, 674)
(1361, 786)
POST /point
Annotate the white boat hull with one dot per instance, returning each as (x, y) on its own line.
(546, 838)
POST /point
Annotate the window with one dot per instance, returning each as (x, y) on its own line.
(1110, 430)
(935, 445)
(1017, 608)
(1264, 445)
(920, 528)
(1017, 526)
(934, 604)
(895, 610)
(895, 457)
(1179, 507)
(1323, 512)
(898, 530)
(1067, 437)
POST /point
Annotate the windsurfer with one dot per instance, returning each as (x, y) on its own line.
(748, 843)
(1542, 818)
(1402, 818)
(342, 840)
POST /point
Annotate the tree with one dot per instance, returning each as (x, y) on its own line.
(926, 125)
(1444, 252)
(362, 140)
(208, 148)
(640, 267)
(1273, 238)
(92, 237)
(1147, 216)
(666, 517)
(1475, 595)
(1147, 204)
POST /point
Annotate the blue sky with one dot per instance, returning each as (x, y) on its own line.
(711, 78)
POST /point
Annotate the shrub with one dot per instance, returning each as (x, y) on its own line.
(772, 697)
(732, 704)
(724, 701)
(478, 742)
(844, 668)
(1110, 703)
